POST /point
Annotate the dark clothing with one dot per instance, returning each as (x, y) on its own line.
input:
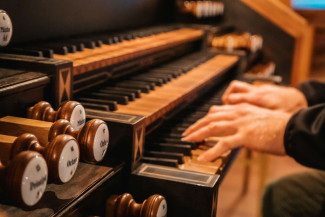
(314, 92)
(297, 195)
(304, 137)
(302, 194)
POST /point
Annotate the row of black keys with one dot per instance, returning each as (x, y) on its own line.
(164, 146)
(72, 45)
(106, 97)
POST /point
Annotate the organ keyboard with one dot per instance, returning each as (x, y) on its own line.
(108, 54)
(185, 88)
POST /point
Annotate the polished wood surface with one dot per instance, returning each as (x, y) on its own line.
(125, 206)
(157, 103)
(91, 59)
(296, 26)
(92, 138)
(16, 126)
(5, 147)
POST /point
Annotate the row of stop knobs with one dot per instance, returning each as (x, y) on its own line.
(202, 9)
(33, 152)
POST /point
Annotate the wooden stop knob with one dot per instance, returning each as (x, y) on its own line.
(92, 138)
(72, 111)
(61, 154)
(125, 206)
(24, 178)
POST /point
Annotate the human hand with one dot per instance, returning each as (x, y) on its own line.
(286, 99)
(240, 125)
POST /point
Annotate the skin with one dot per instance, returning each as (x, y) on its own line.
(287, 99)
(254, 117)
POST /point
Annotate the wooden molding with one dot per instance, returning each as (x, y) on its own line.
(296, 26)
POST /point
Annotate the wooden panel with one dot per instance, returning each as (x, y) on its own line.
(296, 26)
(60, 18)
(279, 14)
(314, 17)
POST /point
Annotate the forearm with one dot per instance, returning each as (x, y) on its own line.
(305, 136)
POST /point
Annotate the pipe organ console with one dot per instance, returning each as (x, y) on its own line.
(139, 73)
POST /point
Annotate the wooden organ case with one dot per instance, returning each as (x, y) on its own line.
(146, 69)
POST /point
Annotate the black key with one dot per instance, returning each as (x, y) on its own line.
(95, 106)
(131, 96)
(163, 78)
(53, 45)
(35, 53)
(112, 104)
(144, 88)
(78, 42)
(150, 84)
(178, 156)
(63, 50)
(157, 81)
(46, 52)
(79, 46)
(173, 73)
(193, 145)
(136, 92)
(114, 97)
(188, 120)
(168, 147)
(161, 161)
(175, 69)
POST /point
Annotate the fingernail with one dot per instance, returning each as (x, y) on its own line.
(200, 158)
(184, 139)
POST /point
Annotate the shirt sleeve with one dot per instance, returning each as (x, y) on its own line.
(304, 137)
(314, 92)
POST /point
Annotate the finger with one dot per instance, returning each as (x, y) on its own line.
(213, 109)
(222, 128)
(237, 98)
(219, 108)
(223, 146)
(236, 87)
(220, 116)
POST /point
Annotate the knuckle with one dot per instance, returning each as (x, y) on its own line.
(212, 127)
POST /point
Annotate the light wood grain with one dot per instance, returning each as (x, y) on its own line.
(16, 126)
(5, 147)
